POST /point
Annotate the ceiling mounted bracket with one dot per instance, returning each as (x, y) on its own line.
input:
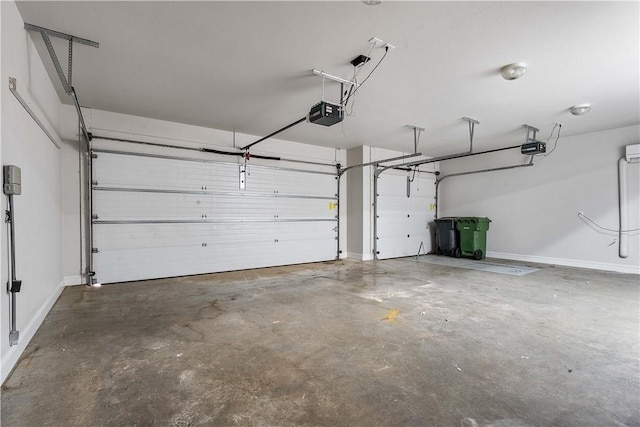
(65, 80)
(335, 78)
(472, 127)
(531, 133)
(45, 33)
(416, 135)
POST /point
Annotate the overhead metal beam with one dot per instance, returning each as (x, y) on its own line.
(335, 78)
(58, 34)
(377, 162)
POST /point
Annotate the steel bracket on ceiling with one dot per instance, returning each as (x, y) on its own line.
(65, 80)
(416, 135)
(45, 33)
(472, 127)
(531, 133)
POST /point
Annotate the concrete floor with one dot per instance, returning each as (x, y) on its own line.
(387, 343)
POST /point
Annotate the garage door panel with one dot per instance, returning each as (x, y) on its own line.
(179, 249)
(403, 222)
(159, 217)
(114, 205)
(129, 171)
(291, 182)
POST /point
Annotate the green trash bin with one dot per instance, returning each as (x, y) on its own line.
(473, 236)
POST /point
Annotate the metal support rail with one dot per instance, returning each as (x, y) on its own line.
(209, 150)
(338, 251)
(377, 162)
(191, 159)
(442, 178)
(13, 88)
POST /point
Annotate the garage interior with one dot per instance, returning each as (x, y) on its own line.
(225, 213)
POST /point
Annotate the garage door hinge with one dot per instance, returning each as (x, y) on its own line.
(94, 216)
(94, 250)
(94, 183)
(94, 155)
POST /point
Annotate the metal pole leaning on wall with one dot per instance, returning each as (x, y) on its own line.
(338, 251)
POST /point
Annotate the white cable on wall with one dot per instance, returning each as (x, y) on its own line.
(623, 239)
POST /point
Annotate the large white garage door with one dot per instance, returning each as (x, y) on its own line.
(161, 216)
(403, 215)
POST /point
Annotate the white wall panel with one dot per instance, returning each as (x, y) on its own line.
(403, 222)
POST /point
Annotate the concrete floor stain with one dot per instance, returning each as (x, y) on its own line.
(391, 315)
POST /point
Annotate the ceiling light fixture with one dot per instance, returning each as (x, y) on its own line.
(513, 71)
(372, 2)
(580, 109)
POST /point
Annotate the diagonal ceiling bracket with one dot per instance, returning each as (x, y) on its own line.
(45, 33)
(65, 80)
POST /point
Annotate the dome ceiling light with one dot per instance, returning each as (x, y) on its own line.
(513, 71)
(580, 109)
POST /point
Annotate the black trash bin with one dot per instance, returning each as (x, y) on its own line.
(447, 237)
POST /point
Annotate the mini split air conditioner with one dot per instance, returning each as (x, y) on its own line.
(633, 153)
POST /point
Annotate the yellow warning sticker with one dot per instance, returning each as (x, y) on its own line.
(333, 206)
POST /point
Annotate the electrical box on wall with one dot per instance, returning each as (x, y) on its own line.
(633, 153)
(12, 180)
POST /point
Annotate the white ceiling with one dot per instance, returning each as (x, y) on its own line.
(246, 66)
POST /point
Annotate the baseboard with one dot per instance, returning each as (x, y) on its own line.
(359, 257)
(10, 359)
(629, 269)
(73, 280)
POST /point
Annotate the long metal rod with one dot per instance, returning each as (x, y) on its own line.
(13, 83)
(58, 34)
(207, 150)
(208, 221)
(89, 178)
(452, 156)
(375, 214)
(13, 333)
(191, 159)
(82, 224)
(377, 162)
(290, 125)
(83, 126)
(338, 214)
(439, 180)
(211, 193)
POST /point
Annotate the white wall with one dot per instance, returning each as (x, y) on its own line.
(534, 210)
(38, 209)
